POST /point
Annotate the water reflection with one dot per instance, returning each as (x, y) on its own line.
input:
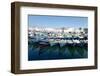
(38, 51)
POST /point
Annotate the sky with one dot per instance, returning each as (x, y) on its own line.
(57, 21)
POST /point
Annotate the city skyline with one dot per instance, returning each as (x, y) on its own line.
(57, 21)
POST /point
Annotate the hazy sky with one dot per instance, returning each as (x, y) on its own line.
(57, 21)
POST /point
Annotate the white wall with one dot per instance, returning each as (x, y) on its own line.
(5, 33)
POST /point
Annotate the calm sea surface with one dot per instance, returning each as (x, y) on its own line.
(47, 52)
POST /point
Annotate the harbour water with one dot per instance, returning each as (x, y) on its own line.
(37, 51)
